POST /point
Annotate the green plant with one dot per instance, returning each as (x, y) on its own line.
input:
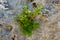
(26, 21)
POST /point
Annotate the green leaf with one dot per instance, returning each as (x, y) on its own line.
(36, 25)
(37, 10)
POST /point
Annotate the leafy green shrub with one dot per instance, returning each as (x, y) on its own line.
(26, 21)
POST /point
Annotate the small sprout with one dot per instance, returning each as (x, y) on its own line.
(37, 10)
(26, 21)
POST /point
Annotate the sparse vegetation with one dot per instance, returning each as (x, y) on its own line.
(26, 21)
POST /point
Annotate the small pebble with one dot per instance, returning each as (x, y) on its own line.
(8, 27)
(1, 15)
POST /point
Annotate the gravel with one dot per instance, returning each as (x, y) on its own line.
(49, 30)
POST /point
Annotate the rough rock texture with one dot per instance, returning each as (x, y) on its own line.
(49, 30)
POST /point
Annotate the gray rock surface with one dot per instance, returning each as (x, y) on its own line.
(49, 30)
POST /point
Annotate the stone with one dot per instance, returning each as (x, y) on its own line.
(1, 14)
(8, 27)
